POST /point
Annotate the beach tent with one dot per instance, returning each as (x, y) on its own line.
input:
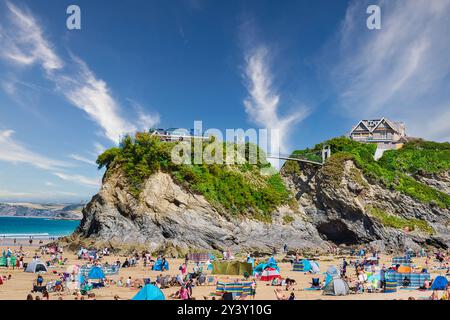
(336, 287)
(302, 265)
(36, 266)
(149, 292)
(306, 265)
(231, 268)
(159, 265)
(96, 273)
(315, 267)
(269, 274)
(271, 263)
(332, 273)
(440, 283)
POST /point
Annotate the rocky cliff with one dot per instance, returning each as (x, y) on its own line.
(350, 206)
(167, 217)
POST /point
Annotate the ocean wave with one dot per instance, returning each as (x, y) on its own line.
(25, 235)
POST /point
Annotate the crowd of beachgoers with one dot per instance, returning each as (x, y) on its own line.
(52, 272)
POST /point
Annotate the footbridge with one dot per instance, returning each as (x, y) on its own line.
(310, 158)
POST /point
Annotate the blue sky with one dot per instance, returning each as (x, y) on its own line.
(309, 68)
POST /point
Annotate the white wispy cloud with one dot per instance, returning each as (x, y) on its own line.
(28, 45)
(92, 95)
(91, 182)
(83, 159)
(25, 44)
(15, 152)
(400, 71)
(263, 103)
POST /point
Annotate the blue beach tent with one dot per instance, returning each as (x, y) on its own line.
(331, 274)
(271, 263)
(96, 273)
(440, 283)
(149, 292)
(159, 265)
(306, 265)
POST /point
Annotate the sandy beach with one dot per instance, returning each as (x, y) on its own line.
(21, 283)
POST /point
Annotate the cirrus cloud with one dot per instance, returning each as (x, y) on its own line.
(400, 71)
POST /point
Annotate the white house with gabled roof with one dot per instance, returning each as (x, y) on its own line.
(386, 133)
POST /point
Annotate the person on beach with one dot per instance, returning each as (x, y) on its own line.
(184, 294)
(39, 280)
(183, 269)
(189, 287)
(383, 277)
(253, 289)
(446, 295)
(344, 267)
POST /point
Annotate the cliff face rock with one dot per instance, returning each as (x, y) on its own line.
(347, 209)
(167, 217)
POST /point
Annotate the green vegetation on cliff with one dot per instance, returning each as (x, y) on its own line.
(393, 221)
(395, 170)
(239, 189)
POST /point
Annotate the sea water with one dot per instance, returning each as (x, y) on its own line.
(37, 228)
